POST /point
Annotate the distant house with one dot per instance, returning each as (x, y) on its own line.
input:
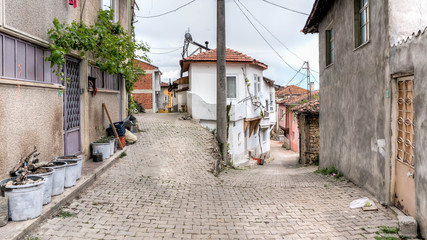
(309, 133)
(181, 93)
(373, 96)
(291, 91)
(288, 120)
(251, 96)
(146, 90)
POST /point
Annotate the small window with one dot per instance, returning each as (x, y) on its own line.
(231, 87)
(329, 45)
(361, 22)
(110, 4)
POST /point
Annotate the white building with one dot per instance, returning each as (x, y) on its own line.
(252, 112)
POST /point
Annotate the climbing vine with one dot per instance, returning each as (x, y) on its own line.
(112, 48)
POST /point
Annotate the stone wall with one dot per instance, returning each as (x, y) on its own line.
(309, 135)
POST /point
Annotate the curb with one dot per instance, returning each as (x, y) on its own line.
(20, 230)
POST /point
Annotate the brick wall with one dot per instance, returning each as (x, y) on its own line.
(144, 82)
(310, 135)
(145, 99)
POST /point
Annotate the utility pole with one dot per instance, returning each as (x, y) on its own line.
(221, 87)
(308, 80)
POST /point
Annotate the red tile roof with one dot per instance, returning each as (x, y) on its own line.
(231, 57)
(312, 106)
(295, 90)
(163, 84)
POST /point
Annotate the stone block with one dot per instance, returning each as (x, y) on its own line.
(407, 227)
(4, 210)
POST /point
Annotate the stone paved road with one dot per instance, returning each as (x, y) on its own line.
(163, 189)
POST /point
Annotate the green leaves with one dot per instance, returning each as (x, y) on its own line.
(112, 48)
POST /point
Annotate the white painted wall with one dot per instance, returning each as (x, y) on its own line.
(201, 103)
(406, 17)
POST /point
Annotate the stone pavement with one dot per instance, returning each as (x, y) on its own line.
(163, 189)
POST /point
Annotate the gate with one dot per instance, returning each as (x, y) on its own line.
(405, 159)
(72, 107)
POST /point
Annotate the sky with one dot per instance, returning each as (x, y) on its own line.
(165, 34)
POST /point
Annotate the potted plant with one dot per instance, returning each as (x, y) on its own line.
(102, 146)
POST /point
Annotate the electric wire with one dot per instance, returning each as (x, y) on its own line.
(271, 32)
(314, 77)
(166, 52)
(295, 75)
(171, 11)
(277, 5)
(264, 37)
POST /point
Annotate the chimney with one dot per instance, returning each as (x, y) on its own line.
(207, 43)
(311, 86)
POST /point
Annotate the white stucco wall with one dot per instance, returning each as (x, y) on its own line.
(201, 102)
(405, 18)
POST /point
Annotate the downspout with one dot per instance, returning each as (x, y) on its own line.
(388, 166)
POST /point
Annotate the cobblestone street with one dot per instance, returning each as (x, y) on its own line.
(163, 189)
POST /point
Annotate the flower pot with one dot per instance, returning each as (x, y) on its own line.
(4, 210)
(103, 148)
(58, 178)
(47, 186)
(112, 147)
(70, 172)
(25, 201)
(116, 144)
(75, 158)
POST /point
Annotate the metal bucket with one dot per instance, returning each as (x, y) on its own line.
(75, 158)
(58, 178)
(25, 201)
(47, 186)
(71, 170)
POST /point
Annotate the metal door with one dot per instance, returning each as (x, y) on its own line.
(72, 107)
(405, 159)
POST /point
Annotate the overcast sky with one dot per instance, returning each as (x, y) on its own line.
(166, 33)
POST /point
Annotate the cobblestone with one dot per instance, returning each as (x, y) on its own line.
(163, 189)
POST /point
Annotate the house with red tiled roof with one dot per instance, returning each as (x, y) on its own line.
(146, 90)
(250, 95)
(287, 119)
(290, 91)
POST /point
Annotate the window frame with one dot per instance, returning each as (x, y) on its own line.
(330, 44)
(357, 25)
(112, 4)
(235, 83)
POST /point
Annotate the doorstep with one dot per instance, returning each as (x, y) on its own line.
(90, 173)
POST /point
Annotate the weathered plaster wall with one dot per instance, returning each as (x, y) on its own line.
(30, 116)
(353, 113)
(406, 17)
(98, 120)
(410, 58)
(20, 15)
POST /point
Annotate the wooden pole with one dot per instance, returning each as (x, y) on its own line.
(221, 94)
(112, 125)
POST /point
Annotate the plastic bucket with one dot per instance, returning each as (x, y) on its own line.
(70, 172)
(58, 178)
(47, 186)
(75, 158)
(112, 141)
(103, 148)
(25, 201)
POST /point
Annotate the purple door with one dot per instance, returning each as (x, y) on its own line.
(72, 107)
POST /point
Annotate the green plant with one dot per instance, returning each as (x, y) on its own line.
(330, 171)
(65, 214)
(386, 238)
(123, 155)
(317, 160)
(112, 48)
(387, 229)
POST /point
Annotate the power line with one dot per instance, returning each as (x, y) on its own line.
(295, 75)
(295, 11)
(314, 77)
(270, 32)
(167, 52)
(171, 11)
(264, 37)
(303, 78)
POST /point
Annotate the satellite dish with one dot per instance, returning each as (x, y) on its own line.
(188, 37)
